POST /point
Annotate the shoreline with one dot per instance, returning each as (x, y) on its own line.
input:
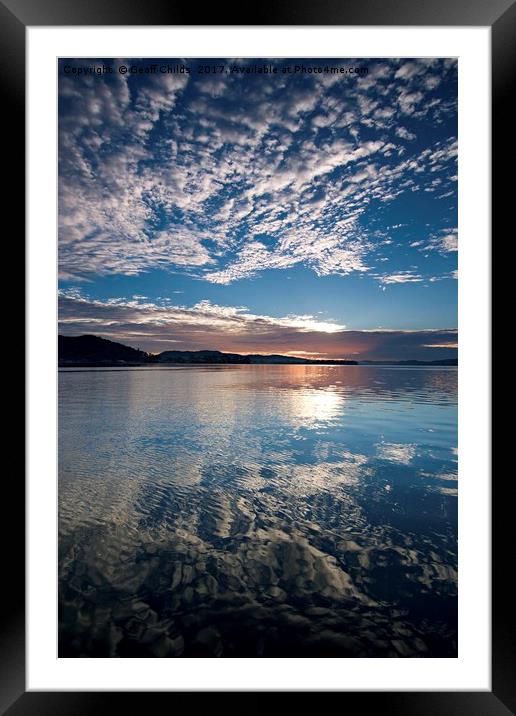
(387, 364)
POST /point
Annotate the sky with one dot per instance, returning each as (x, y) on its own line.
(310, 209)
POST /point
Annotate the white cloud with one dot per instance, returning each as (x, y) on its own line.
(228, 183)
(404, 133)
(204, 313)
(408, 70)
(401, 277)
(452, 345)
(409, 100)
(446, 241)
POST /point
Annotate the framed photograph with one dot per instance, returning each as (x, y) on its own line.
(258, 356)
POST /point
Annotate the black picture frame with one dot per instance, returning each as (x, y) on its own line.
(15, 16)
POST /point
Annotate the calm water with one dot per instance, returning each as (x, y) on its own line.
(258, 511)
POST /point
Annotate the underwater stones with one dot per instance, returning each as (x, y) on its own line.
(318, 612)
(134, 628)
(259, 572)
(230, 599)
(211, 584)
(348, 545)
(132, 576)
(176, 645)
(177, 576)
(68, 613)
(275, 593)
(94, 576)
(122, 610)
(420, 645)
(340, 642)
(402, 648)
(188, 574)
(115, 636)
(174, 603)
(187, 596)
(162, 646)
(208, 635)
(401, 629)
(234, 583)
(144, 613)
(205, 586)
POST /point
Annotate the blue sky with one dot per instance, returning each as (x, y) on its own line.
(299, 212)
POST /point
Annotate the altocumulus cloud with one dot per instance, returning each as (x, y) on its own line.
(223, 178)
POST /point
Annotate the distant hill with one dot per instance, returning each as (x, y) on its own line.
(237, 358)
(93, 350)
(96, 351)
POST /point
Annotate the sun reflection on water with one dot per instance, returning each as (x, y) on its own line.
(258, 512)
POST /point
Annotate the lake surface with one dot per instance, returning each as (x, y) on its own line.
(243, 511)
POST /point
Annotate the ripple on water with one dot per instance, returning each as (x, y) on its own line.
(258, 513)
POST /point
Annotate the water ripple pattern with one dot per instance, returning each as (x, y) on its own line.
(273, 511)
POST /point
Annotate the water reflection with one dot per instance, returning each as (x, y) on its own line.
(397, 452)
(258, 511)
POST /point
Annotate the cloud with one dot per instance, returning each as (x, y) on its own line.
(156, 326)
(226, 177)
(446, 241)
(449, 240)
(409, 100)
(453, 345)
(408, 70)
(403, 133)
(402, 277)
